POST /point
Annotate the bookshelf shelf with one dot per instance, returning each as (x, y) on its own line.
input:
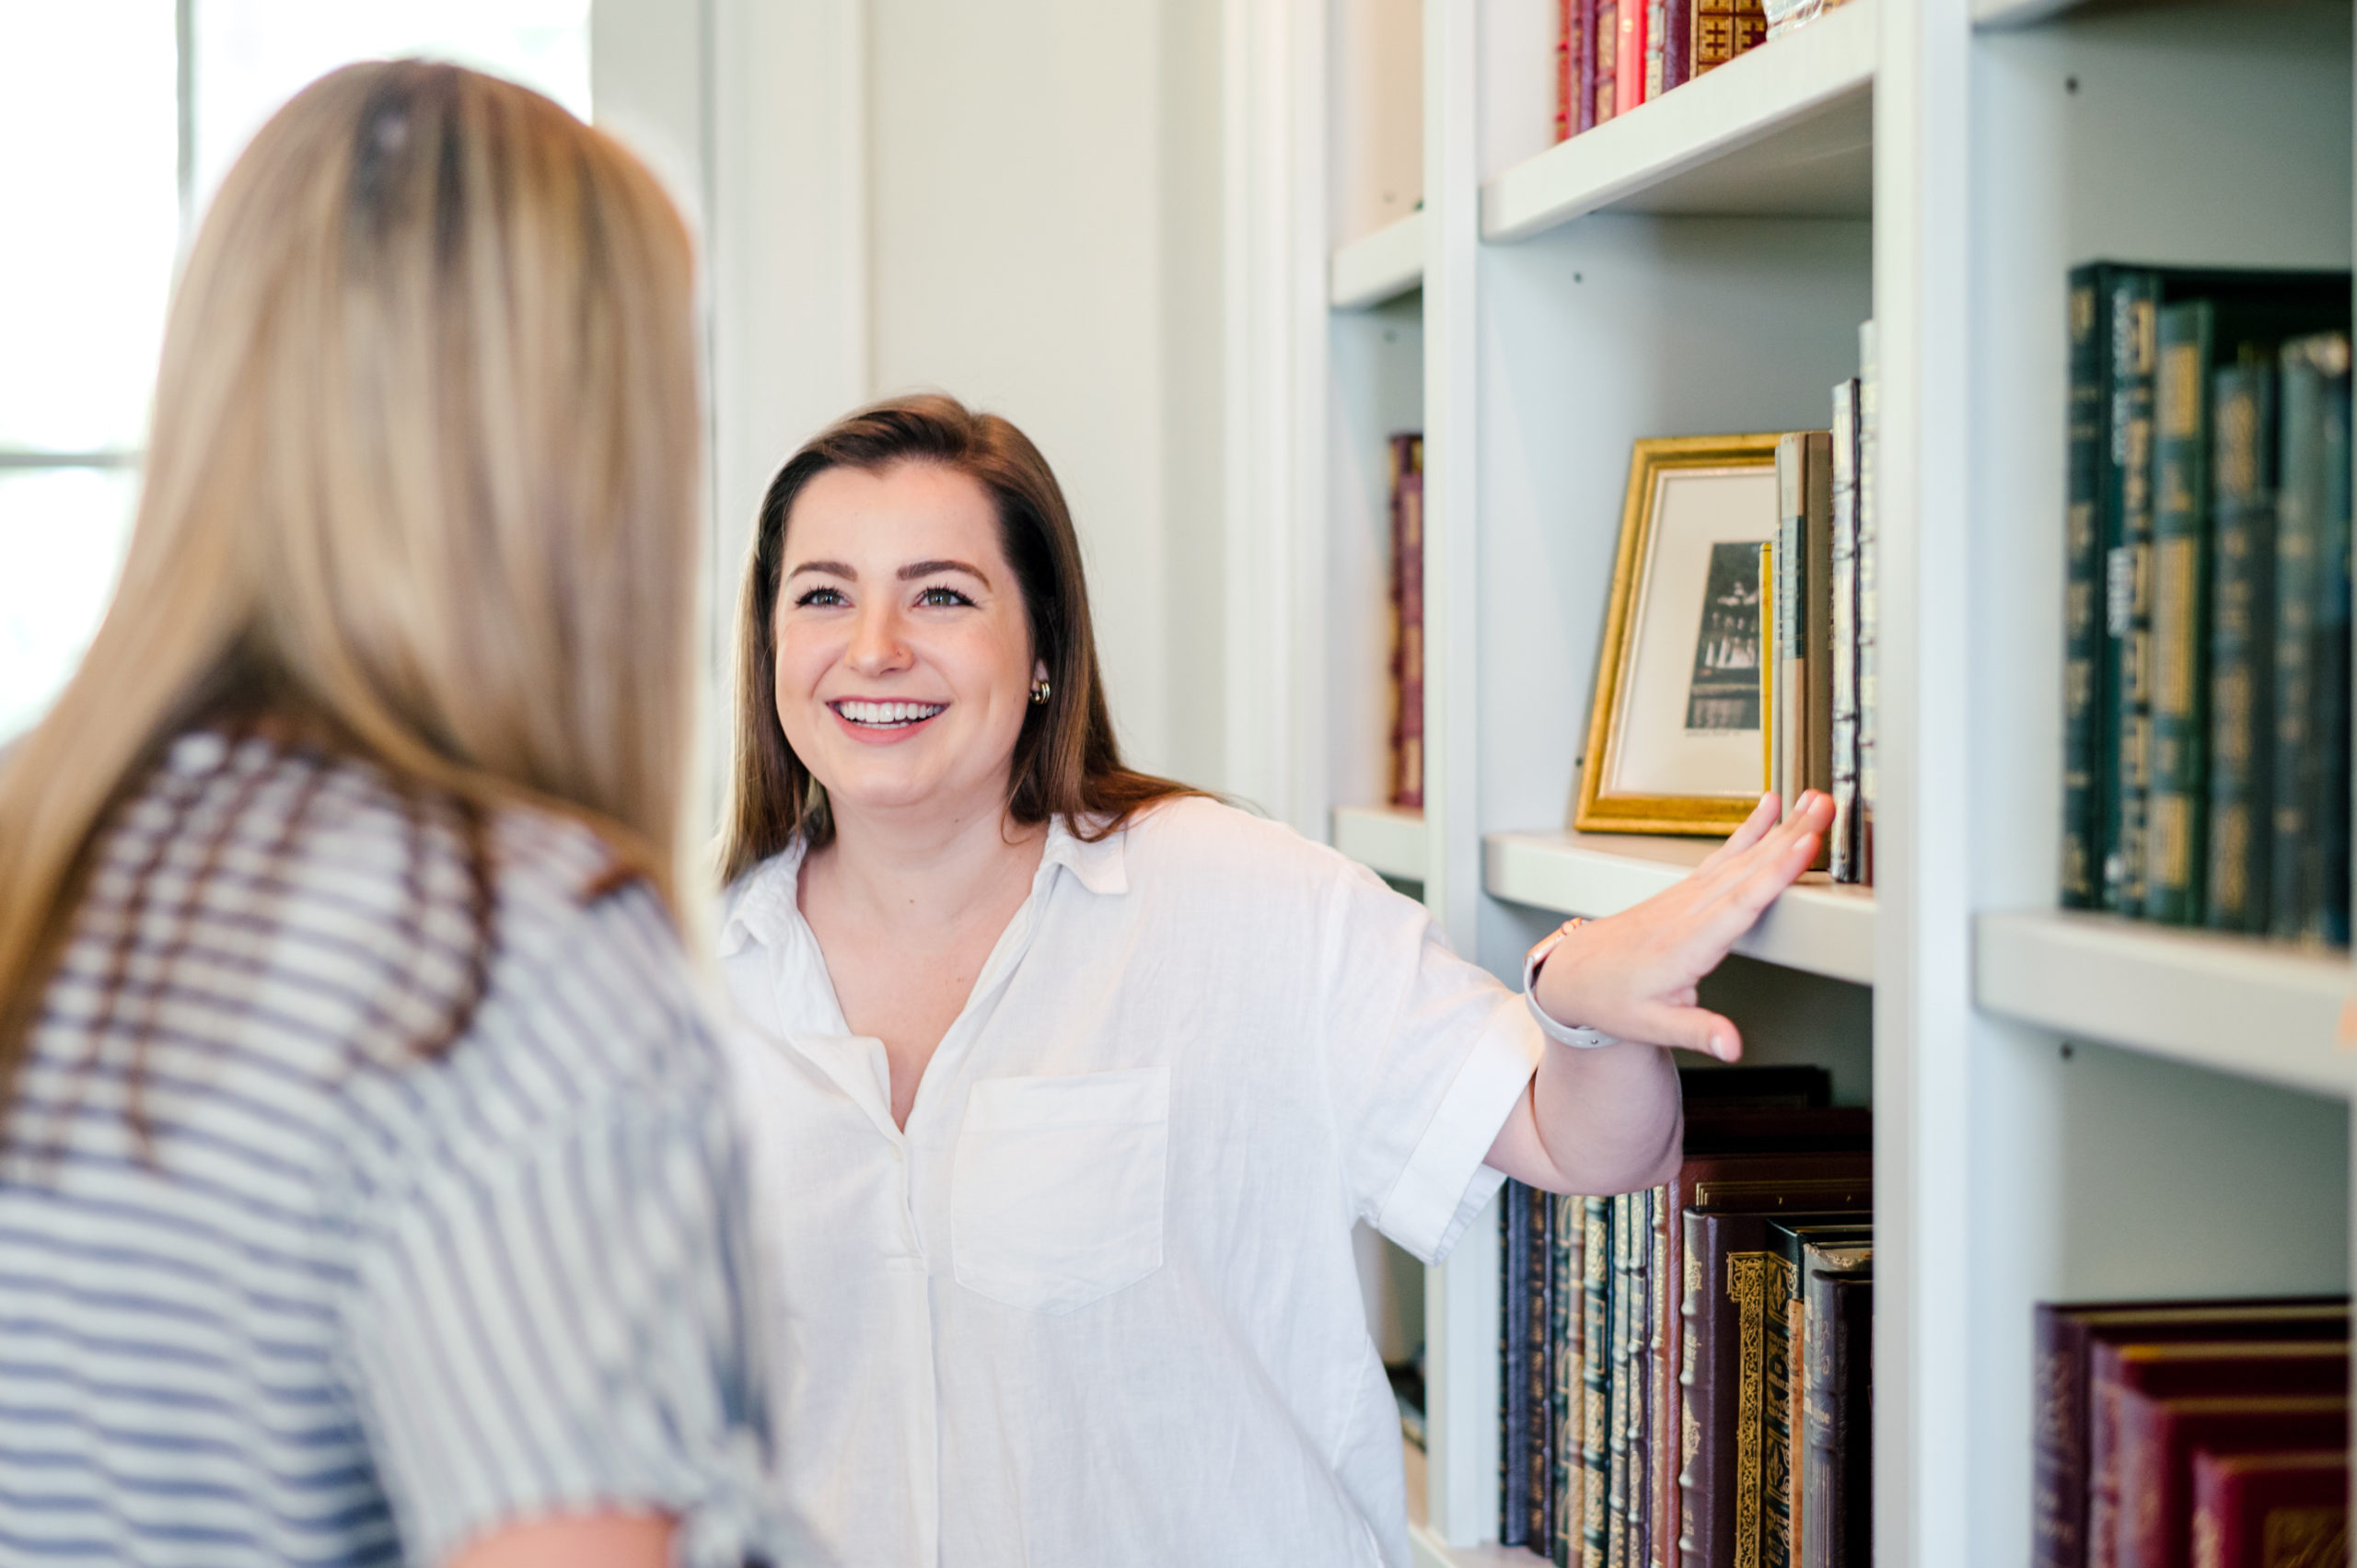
(1786, 130)
(1382, 266)
(1816, 927)
(1384, 838)
(2237, 1005)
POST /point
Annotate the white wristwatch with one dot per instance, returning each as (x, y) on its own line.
(1561, 1034)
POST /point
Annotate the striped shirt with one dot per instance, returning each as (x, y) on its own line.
(350, 1303)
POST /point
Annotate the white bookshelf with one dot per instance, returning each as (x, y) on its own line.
(1380, 267)
(2068, 1107)
(1816, 927)
(1384, 838)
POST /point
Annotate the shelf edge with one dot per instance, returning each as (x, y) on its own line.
(2229, 1003)
(1382, 266)
(1583, 174)
(1384, 839)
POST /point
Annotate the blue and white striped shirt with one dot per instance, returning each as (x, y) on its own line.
(350, 1304)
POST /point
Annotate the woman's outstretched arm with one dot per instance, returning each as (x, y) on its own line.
(1608, 1119)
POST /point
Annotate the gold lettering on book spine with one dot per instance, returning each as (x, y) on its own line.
(1747, 1288)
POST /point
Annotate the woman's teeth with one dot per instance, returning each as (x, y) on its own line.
(888, 715)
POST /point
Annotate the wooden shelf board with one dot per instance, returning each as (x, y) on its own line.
(1383, 265)
(1786, 130)
(1384, 839)
(1426, 1550)
(2236, 1003)
(1815, 925)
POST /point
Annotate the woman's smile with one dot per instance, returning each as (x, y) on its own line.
(883, 723)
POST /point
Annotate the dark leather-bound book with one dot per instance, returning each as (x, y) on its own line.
(1596, 1421)
(2311, 815)
(2287, 1510)
(1836, 1415)
(2158, 1438)
(2063, 1334)
(2173, 811)
(1513, 1340)
(2086, 743)
(1538, 1375)
(2179, 1370)
(1721, 1487)
(1408, 645)
(1793, 1248)
(2237, 895)
(1568, 1407)
(1794, 1181)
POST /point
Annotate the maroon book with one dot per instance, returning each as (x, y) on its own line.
(2178, 1371)
(1584, 67)
(2065, 1332)
(1604, 60)
(1408, 645)
(2288, 1510)
(2158, 1440)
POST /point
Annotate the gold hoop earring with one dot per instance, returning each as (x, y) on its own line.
(1039, 690)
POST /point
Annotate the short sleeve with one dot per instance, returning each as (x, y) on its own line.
(561, 1324)
(1428, 1055)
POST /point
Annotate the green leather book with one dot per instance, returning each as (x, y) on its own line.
(1568, 1407)
(2311, 631)
(2242, 642)
(1596, 1421)
(2133, 305)
(2086, 743)
(2174, 803)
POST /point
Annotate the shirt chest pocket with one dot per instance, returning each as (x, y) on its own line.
(1057, 1187)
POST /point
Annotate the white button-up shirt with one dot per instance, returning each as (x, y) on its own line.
(1097, 1303)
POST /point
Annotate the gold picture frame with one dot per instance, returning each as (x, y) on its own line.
(1644, 762)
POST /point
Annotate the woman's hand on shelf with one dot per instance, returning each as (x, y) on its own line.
(1635, 975)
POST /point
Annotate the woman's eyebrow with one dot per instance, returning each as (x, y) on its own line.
(832, 568)
(916, 569)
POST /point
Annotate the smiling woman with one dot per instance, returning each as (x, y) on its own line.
(1068, 1084)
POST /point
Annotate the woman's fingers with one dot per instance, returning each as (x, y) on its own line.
(1696, 1028)
(1755, 827)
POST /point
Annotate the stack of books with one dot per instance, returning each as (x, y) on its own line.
(1818, 674)
(1611, 55)
(2192, 1434)
(1686, 1371)
(1408, 620)
(2206, 689)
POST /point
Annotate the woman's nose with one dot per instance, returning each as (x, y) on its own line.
(877, 647)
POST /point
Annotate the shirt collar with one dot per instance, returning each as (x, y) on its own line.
(761, 905)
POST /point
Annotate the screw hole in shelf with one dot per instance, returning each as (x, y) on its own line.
(2070, 84)
(2066, 1050)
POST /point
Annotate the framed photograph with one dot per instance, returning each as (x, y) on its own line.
(1677, 740)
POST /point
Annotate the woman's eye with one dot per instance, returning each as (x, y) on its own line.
(821, 597)
(939, 596)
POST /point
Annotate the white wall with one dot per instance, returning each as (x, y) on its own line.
(1043, 200)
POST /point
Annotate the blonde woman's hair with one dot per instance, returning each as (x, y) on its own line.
(420, 490)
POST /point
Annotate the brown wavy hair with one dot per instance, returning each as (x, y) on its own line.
(1066, 763)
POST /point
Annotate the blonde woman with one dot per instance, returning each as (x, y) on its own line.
(367, 1189)
(1076, 1080)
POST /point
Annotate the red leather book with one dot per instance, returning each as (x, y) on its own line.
(1629, 64)
(2158, 1440)
(1407, 656)
(2288, 1510)
(2178, 1371)
(2064, 1334)
(1603, 60)
(1569, 23)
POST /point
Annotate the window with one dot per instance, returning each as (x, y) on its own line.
(117, 119)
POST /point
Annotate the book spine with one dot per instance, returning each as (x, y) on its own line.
(1842, 842)
(2329, 806)
(1678, 44)
(1712, 43)
(2059, 1479)
(1513, 1340)
(1628, 69)
(1569, 1401)
(1567, 24)
(1816, 611)
(1539, 1371)
(2174, 811)
(1623, 1240)
(1604, 56)
(1869, 598)
(1584, 65)
(1657, 13)
(1669, 1341)
(2242, 641)
(1792, 640)
(1596, 1421)
(2299, 502)
(1700, 1420)
(1776, 1419)
(1655, 1423)
(2128, 582)
(1408, 786)
(1837, 1473)
(2082, 738)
